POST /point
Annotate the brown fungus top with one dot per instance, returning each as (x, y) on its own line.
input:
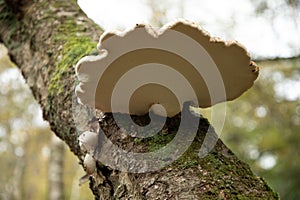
(142, 69)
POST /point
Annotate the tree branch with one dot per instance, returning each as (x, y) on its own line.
(46, 39)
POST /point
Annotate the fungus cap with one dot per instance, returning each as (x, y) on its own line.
(88, 141)
(122, 53)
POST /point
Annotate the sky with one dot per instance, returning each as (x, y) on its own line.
(230, 20)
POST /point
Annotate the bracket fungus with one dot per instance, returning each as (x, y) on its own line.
(142, 67)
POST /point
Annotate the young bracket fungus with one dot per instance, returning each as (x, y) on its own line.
(178, 48)
(88, 142)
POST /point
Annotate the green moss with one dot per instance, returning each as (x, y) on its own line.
(74, 47)
(221, 179)
(158, 141)
(189, 158)
(187, 164)
(268, 188)
(222, 165)
(62, 81)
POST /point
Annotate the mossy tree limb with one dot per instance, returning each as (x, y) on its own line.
(46, 39)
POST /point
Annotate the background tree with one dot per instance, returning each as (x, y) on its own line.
(56, 168)
(15, 143)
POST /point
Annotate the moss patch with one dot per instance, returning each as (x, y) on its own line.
(219, 175)
(74, 49)
(158, 141)
(70, 40)
(189, 158)
(74, 45)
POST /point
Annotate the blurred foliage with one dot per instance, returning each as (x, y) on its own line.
(25, 143)
(263, 125)
(271, 6)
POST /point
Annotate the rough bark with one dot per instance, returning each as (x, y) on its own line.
(46, 39)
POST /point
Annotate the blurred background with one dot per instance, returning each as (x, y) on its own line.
(262, 127)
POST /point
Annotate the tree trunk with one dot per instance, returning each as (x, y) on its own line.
(46, 39)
